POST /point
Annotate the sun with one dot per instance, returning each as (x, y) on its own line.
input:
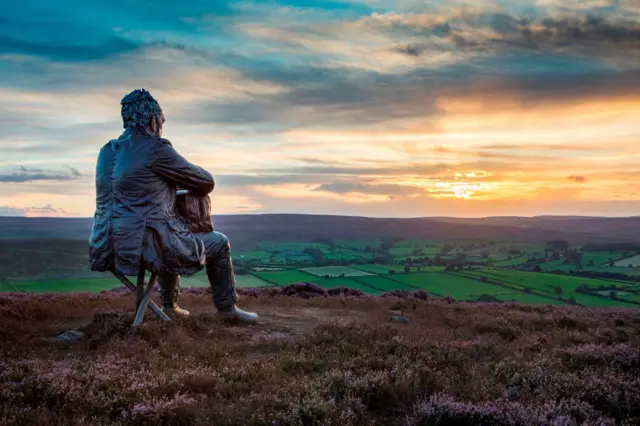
(461, 193)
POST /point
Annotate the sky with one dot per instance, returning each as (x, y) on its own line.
(396, 108)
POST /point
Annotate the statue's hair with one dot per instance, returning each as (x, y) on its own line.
(138, 107)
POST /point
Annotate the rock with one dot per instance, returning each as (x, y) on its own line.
(400, 318)
(69, 336)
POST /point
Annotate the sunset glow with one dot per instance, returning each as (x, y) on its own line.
(369, 107)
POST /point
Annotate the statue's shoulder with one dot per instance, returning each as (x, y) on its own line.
(107, 153)
(110, 146)
(163, 141)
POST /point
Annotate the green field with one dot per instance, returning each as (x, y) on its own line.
(242, 280)
(302, 258)
(342, 254)
(633, 261)
(349, 263)
(514, 261)
(415, 248)
(466, 285)
(540, 281)
(94, 285)
(282, 246)
(284, 277)
(442, 283)
(545, 283)
(379, 269)
(385, 283)
(528, 298)
(62, 285)
(599, 258)
(359, 243)
(334, 271)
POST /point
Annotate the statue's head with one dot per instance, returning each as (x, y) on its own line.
(141, 110)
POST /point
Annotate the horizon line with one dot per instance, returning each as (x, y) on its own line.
(567, 216)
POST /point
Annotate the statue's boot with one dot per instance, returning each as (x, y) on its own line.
(223, 288)
(169, 293)
(236, 314)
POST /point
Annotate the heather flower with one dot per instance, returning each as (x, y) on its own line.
(326, 359)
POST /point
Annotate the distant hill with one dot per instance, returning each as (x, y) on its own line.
(577, 229)
(245, 229)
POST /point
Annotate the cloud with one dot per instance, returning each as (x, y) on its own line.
(578, 179)
(485, 31)
(77, 31)
(541, 147)
(391, 170)
(275, 91)
(549, 193)
(296, 96)
(75, 171)
(25, 174)
(328, 100)
(44, 211)
(455, 35)
(227, 180)
(11, 211)
(347, 187)
(66, 52)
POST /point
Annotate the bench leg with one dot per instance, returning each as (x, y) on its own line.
(140, 288)
(144, 301)
(156, 310)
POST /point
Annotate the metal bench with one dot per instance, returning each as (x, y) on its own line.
(143, 295)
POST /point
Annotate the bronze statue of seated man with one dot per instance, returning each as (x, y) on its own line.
(136, 223)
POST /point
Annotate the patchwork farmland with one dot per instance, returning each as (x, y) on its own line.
(462, 270)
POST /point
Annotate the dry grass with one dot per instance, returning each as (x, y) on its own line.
(318, 361)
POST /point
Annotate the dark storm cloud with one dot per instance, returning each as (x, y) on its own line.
(595, 35)
(591, 31)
